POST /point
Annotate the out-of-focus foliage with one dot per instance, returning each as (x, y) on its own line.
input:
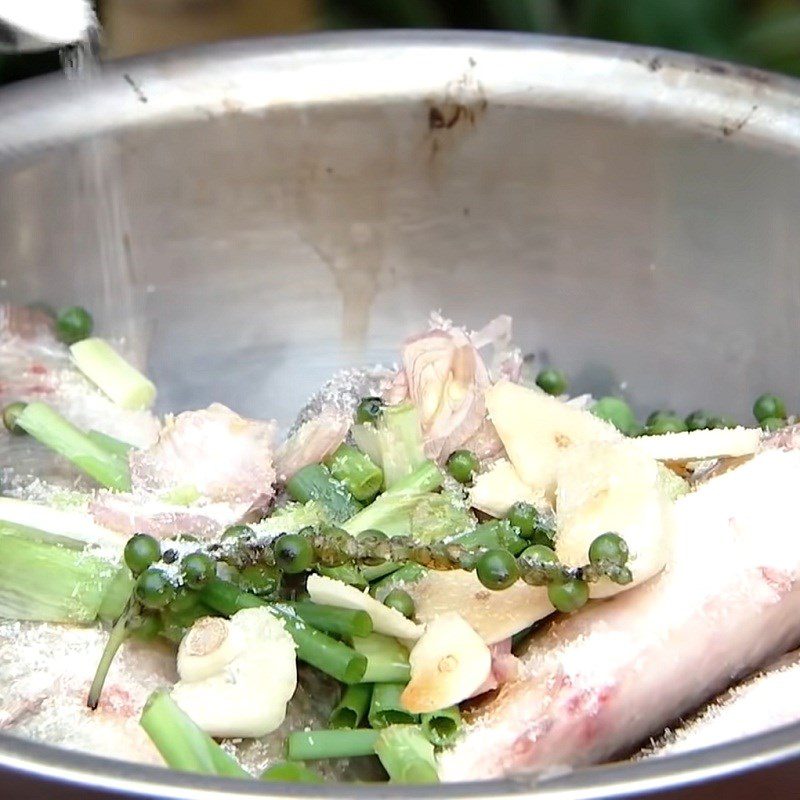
(763, 33)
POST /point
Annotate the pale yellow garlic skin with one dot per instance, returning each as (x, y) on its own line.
(236, 675)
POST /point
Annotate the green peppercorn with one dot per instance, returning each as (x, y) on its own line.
(772, 423)
(658, 414)
(183, 600)
(769, 405)
(497, 569)
(616, 411)
(664, 422)
(609, 548)
(569, 595)
(552, 381)
(524, 517)
(293, 553)
(400, 601)
(237, 532)
(153, 589)
(539, 553)
(699, 420)
(260, 579)
(723, 421)
(10, 416)
(198, 569)
(141, 550)
(369, 410)
(73, 324)
(462, 465)
(146, 627)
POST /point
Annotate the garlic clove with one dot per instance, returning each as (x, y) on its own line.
(448, 664)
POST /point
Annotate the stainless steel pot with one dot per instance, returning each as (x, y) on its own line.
(257, 214)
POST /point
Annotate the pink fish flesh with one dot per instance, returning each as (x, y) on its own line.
(596, 683)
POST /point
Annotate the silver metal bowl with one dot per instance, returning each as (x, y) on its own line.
(257, 214)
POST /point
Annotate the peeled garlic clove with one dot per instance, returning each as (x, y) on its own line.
(330, 592)
(208, 646)
(255, 677)
(448, 664)
(497, 489)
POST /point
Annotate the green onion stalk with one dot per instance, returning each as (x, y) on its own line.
(362, 477)
(406, 755)
(344, 743)
(47, 426)
(291, 772)
(351, 710)
(386, 707)
(316, 483)
(387, 659)
(182, 744)
(442, 727)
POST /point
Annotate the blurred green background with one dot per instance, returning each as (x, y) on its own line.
(762, 33)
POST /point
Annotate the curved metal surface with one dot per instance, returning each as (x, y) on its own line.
(283, 208)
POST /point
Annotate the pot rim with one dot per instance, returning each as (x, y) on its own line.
(712, 99)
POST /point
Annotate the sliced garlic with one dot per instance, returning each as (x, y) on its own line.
(330, 592)
(237, 675)
(496, 490)
(493, 615)
(537, 430)
(612, 487)
(700, 445)
(448, 664)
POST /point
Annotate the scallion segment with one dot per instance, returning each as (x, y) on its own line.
(47, 582)
(356, 471)
(314, 647)
(120, 381)
(441, 728)
(114, 446)
(352, 708)
(314, 745)
(47, 426)
(387, 659)
(498, 534)
(182, 744)
(315, 482)
(386, 708)
(344, 622)
(291, 772)
(406, 755)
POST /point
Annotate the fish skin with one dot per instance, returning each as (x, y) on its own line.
(46, 671)
(598, 682)
(766, 701)
(34, 365)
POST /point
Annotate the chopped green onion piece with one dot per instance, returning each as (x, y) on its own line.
(114, 446)
(47, 582)
(112, 374)
(386, 708)
(378, 571)
(387, 659)
(352, 708)
(391, 511)
(441, 728)
(406, 755)
(343, 622)
(491, 536)
(356, 471)
(313, 646)
(315, 482)
(47, 426)
(182, 744)
(291, 772)
(314, 745)
(346, 573)
(408, 573)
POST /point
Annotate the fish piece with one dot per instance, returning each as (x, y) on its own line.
(224, 457)
(595, 683)
(505, 667)
(129, 514)
(46, 670)
(34, 365)
(765, 701)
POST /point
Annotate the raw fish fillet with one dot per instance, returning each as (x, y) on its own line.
(768, 700)
(598, 682)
